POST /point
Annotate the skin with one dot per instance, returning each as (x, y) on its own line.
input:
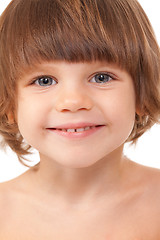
(84, 188)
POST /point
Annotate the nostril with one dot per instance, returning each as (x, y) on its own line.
(73, 104)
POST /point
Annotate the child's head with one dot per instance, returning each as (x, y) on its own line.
(116, 31)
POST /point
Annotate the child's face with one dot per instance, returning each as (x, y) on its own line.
(59, 95)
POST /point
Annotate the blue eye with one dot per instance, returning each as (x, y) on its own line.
(101, 78)
(45, 81)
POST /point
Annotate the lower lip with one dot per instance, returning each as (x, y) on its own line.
(74, 135)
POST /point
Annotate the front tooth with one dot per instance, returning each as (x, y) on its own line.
(77, 129)
(80, 129)
(70, 130)
(87, 128)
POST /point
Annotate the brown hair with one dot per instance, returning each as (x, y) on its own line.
(78, 30)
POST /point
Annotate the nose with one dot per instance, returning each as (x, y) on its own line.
(73, 101)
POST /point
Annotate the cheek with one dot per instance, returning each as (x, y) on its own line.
(119, 109)
(125, 115)
(119, 101)
(29, 115)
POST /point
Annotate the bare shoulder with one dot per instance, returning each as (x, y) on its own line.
(11, 194)
(6, 205)
(8, 191)
(12, 198)
(151, 201)
(148, 178)
(142, 193)
(148, 182)
(152, 179)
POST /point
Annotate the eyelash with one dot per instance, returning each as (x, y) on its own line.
(104, 76)
(43, 78)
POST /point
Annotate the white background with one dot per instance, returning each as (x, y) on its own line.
(147, 151)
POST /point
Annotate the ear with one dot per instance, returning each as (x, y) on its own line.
(139, 111)
(11, 119)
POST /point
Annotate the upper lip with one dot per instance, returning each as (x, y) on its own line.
(76, 125)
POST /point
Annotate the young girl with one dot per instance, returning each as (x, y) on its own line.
(78, 79)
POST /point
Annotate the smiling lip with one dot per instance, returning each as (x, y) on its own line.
(76, 125)
(81, 130)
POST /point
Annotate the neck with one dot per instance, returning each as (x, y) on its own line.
(74, 185)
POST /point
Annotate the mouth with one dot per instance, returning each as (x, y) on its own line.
(73, 130)
(77, 132)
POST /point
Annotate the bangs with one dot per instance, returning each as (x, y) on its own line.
(73, 31)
